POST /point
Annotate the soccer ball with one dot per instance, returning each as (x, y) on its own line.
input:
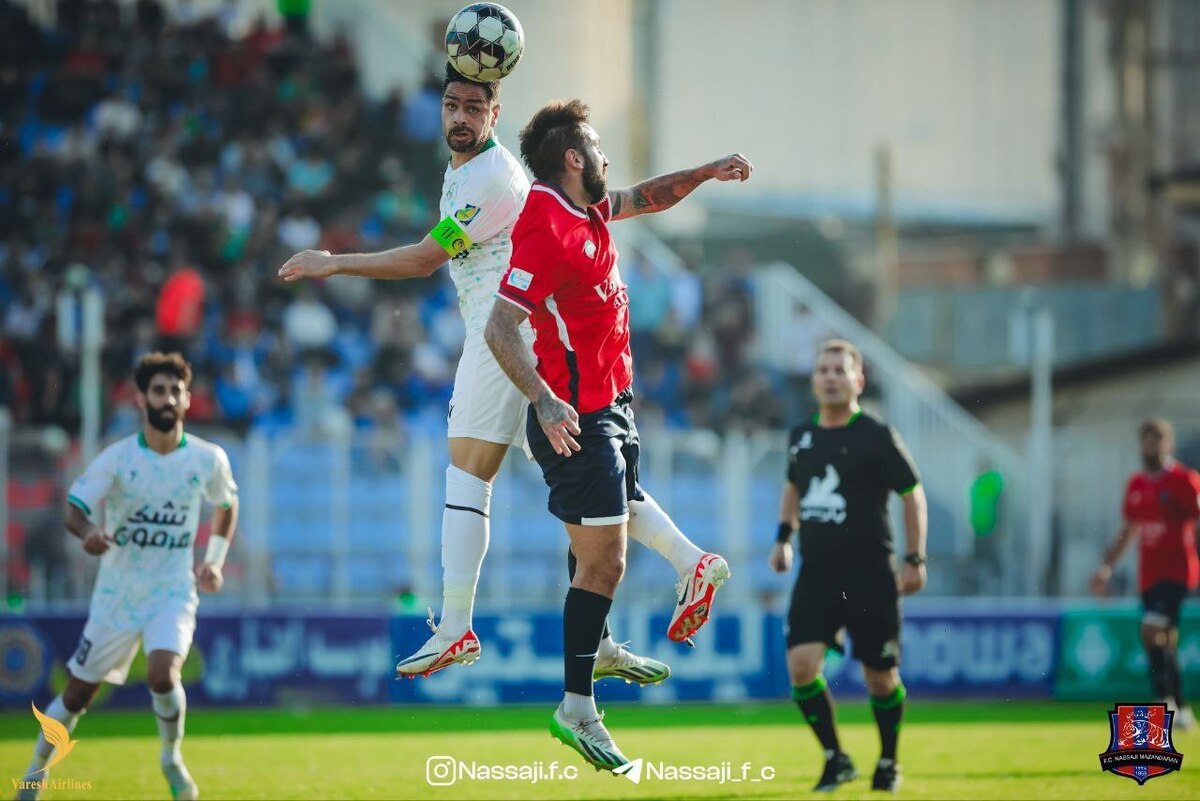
(484, 42)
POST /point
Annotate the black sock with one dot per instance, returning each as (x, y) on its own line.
(583, 621)
(1157, 658)
(571, 562)
(888, 712)
(816, 704)
(1174, 678)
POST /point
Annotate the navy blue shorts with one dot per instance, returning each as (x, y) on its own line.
(594, 486)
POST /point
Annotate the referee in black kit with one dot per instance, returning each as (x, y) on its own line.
(845, 463)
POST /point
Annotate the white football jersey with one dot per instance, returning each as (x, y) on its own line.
(151, 512)
(485, 196)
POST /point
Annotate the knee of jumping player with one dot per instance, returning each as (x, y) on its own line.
(600, 572)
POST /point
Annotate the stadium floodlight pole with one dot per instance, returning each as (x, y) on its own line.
(1041, 442)
(80, 313)
(89, 356)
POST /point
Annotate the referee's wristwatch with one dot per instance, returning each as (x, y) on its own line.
(915, 559)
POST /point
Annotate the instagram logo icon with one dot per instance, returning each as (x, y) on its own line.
(440, 771)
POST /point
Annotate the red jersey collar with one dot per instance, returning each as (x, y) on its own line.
(563, 197)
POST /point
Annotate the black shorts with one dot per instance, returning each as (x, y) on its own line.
(594, 486)
(863, 600)
(1162, 602)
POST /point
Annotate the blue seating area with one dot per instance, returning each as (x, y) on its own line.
(527, 555)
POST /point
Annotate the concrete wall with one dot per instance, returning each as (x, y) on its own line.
(965, 93)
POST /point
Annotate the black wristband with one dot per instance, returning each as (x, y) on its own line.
(914, 559)
(784, 533)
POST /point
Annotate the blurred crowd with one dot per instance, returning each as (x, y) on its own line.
(151, 153)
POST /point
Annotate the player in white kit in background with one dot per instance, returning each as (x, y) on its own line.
(150, 487)
(483, 193)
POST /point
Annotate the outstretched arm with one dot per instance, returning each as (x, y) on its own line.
(556, 417)
(663, 192)
(409, 261)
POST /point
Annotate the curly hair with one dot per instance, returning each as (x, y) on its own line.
(554, 130)
(150, 365)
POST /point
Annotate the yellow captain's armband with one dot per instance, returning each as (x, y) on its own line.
(450, 235)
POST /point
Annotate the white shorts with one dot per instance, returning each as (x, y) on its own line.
(105, 653)
(486, 405)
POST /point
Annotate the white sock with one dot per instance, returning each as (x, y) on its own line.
(649, 525)
(42, 749)
(464, 544)
(579, 707)
(169, 710)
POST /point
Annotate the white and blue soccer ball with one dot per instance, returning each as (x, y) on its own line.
(484, 42)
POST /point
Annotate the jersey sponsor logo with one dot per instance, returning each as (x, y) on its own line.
(609, 289)
(166, 516)
(466, 214)
(822, 503)
(144, 538)
(519, 278)
(1152, 531)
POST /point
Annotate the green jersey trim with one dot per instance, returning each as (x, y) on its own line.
(816, 418)
(87, 510)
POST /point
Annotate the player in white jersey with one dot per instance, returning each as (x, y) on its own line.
(150, 487)
(482, 194)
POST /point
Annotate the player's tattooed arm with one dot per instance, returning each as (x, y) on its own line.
(663, 192)
(557, 418)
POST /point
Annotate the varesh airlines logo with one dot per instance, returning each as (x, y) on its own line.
(822, 503)
(56, 734)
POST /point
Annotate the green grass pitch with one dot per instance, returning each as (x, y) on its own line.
(948, 750)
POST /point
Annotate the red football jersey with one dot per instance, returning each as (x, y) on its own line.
(1164, 507)
(564, 272)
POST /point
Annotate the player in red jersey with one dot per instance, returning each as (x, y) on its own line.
(563, 276)
(1162, 502)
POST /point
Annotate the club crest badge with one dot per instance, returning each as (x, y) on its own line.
(1140, 746)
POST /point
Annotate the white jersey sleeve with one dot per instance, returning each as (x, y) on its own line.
(221, 490)
(489, 200)
(93, 485)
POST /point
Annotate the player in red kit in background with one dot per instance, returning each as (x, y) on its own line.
(563, 276)
(1162, 502)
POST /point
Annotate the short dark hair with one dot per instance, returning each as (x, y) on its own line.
(554, 130)
(842, 346)
(1159, 426)
(150, 365)
(491, 89)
